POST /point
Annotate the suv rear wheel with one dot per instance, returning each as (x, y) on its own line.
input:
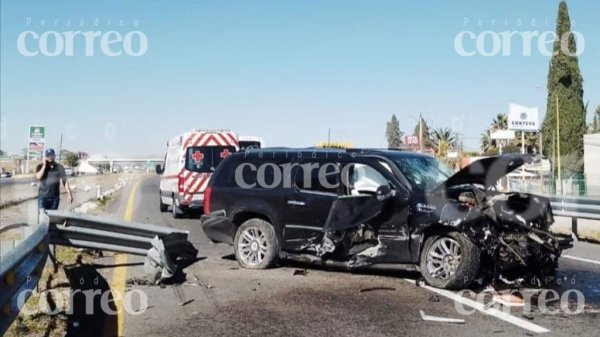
(256, 245)
(449, 261)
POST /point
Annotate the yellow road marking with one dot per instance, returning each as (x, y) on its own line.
(120, 273)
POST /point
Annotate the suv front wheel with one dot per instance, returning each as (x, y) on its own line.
(449, 261)
(256, 245)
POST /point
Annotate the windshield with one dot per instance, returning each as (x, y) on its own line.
(423, 173)
(206, 158)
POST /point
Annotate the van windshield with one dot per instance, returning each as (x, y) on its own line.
(206, 158)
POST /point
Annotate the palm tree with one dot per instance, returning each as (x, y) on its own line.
(488, 145)
(500, 122)
(442, 140)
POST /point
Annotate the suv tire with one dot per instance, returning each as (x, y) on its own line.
(449, 260)
(256, 245)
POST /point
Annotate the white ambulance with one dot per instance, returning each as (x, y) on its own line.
(189, 163)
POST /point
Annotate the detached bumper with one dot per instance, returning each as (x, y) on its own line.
(218, 227)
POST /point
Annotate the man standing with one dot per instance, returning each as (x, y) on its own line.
(50, 174)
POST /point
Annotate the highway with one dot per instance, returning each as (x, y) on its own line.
(219, 298)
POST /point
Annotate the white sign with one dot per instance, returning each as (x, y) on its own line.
(521, 118)
(503, 134)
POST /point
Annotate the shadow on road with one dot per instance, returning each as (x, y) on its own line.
(88, 318)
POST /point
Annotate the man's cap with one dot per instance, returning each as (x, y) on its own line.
(50, 152)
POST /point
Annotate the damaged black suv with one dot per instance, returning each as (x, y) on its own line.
(382, 209)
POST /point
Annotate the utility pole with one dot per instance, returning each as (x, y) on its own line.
(558, 146)
(421, 132)
(328, 137)
(60, 148)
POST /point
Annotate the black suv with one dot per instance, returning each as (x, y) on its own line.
(381, 208)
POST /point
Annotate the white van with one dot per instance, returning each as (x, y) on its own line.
(189, 163)
(250, 142)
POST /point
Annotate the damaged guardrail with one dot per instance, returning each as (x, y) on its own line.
(165, 250)
(162, 246)
(575, 208)
(20, 270)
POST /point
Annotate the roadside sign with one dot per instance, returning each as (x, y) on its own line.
(35, 150)
(37, 134)
(521, 118)
(503, 134)
(410, 140)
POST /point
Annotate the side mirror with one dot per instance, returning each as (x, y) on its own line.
(385, 192)
(158, 169)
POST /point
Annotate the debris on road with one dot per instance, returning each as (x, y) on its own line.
(301, 272)
(364, 290)
(436, 319)
(434, 298)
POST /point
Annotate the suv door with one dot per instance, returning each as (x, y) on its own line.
(315, 184)
(364, 177)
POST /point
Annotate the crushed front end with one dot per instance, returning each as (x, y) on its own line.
(512, 231)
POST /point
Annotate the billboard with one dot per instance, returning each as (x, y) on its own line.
(521, 118)
(410, 140)
(35, 150)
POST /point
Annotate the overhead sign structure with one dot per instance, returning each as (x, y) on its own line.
(522, 118)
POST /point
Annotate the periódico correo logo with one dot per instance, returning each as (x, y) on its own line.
(70, 43)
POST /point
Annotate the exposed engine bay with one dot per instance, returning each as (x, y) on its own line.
(512, 231)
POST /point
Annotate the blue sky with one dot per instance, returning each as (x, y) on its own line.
(283, 70)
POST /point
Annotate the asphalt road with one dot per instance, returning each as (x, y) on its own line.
(13, 181)
(219, 298)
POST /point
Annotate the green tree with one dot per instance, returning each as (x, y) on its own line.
(500, 122)
(488, 145)
(565, 87)
(596, 123)
(393, 134)
(2, 153)
(71, 159)
(443, 139)
(425, 133)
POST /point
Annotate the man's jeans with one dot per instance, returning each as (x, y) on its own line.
(48, 202)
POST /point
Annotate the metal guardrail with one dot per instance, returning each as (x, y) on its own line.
(575, 208)
(20, 271)
(21, 267)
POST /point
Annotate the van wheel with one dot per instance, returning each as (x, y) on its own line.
(256, 245)
(175, 210)
(163, 207)
(449, 261)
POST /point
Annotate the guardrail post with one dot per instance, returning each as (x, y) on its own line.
(574, 226)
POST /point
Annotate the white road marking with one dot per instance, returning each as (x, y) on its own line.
(481, 308)
(581, 259)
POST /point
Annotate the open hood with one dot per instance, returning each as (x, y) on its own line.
(486, 171)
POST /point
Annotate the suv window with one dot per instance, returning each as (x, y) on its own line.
(206, 158)
(317, 176)
(362, 178)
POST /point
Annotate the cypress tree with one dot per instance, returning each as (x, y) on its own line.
(392, 133)
(566, 83)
